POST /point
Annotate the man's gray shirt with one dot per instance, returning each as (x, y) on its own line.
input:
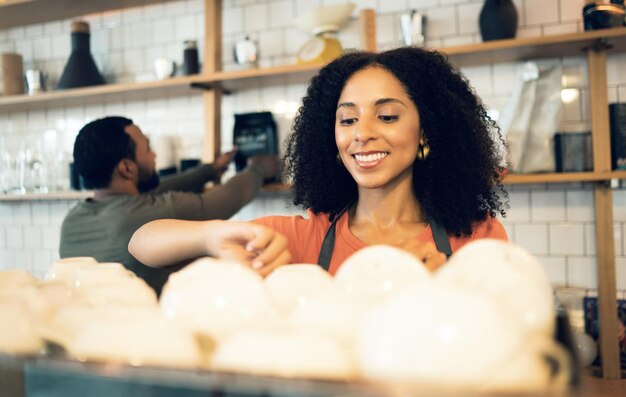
(104, 229)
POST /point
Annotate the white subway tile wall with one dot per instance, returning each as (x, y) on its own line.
(554, 221)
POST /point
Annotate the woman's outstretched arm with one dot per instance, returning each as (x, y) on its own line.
(167, 242)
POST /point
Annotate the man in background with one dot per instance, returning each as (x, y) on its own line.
(114, 158)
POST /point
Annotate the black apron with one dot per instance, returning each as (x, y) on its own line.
(328, 245)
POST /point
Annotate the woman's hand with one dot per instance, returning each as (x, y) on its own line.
(257, 246)
(426, 252)
(166, 242)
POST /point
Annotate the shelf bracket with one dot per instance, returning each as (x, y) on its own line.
(208, 87)
(202, 86)
(599, 45)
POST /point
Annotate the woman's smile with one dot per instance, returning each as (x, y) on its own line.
(369, 159)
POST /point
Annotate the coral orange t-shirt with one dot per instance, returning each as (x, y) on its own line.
(306, 236)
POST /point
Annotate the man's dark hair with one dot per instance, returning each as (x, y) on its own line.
(459, 184)
(99, 147)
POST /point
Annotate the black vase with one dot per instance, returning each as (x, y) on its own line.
(80, 70)
(498, 20)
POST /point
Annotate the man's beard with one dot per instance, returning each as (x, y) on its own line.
(149, 184)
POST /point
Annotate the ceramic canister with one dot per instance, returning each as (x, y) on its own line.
(11, 74)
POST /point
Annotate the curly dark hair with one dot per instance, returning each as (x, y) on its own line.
(99, 147)
(458, 184)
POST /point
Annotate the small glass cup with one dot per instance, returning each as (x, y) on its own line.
(13, 172)
(36, 172)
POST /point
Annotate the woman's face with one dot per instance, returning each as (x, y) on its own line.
(376, 128)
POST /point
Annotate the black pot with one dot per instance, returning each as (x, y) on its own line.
(498, 20)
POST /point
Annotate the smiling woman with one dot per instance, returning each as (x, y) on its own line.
(387, 148)
(377, 129)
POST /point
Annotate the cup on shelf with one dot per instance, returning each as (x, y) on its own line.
(35, 81)
(245, 52)
(413, 27)
(36, 168)
(58, 171)
(164, 68)
(13, 171)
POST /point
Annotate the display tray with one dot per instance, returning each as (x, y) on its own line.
(59, 377)
(52, 377)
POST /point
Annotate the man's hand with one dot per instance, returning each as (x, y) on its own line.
(259, 247)
(426, 252)
(269, 163)
(221, 162)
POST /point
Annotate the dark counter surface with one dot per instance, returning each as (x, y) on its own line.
(51, 377)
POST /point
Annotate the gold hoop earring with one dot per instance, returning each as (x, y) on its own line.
(422, 152)
(338, 158)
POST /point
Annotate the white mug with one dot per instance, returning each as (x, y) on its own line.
(245, 52)
(164, 68)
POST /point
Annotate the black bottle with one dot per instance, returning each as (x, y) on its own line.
(80, 70)
(191, 64)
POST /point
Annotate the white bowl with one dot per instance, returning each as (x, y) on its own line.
(287, 353)
(125, 292)
(215, 297)
(31, 299)
(435, 334)
(374, 273)
(16, 278)
(509, 276)
(540, 364)
(291, 285)
(57, 294)
(70, 321)
(64, 269)
(18, 329)
(100, 274)
(137, 342)
(325, 18)
(335, 314)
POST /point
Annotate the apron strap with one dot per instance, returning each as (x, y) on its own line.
(328, 245)
(442, 242)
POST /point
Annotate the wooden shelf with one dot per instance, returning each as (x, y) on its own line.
(241, 79)
(571, 44)
(511, 179)
(282, 187)
(73, 195)
(26, 12)
(495, 51)
(230, 80)
(515, 179)
(557, 177)
(77, 96)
